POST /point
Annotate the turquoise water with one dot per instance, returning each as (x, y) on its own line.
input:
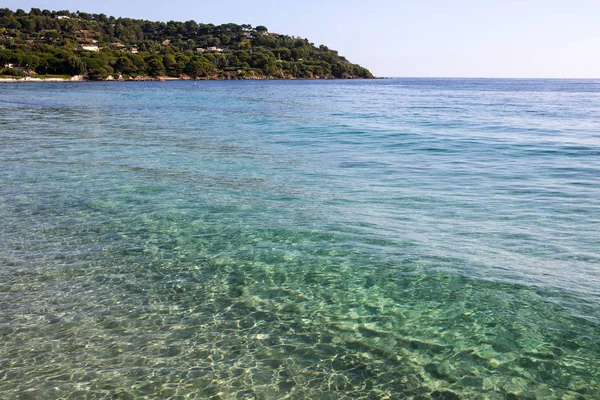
(410, 238)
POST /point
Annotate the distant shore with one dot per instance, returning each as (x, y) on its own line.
(16, 79)
(19, 79)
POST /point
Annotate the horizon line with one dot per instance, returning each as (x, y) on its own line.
(481, 77)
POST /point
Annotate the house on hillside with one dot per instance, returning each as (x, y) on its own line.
(18, 68)
(211, 48)
(90, 47)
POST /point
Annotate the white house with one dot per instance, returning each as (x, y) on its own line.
(90, 47)
(212, 48)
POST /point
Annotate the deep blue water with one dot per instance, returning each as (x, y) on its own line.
(404, 238)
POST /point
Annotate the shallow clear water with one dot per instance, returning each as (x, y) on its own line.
(412, 238)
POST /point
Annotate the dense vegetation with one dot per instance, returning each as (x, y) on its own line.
(52, 42)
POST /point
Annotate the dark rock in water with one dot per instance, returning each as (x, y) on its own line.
(441, 371)
(444, 395)
(472, 381)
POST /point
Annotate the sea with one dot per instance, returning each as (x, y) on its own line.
(346, 239)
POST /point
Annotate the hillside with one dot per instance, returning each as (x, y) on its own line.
(97, 47)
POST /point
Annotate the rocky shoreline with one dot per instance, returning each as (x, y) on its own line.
(30, 79)
(80, 78)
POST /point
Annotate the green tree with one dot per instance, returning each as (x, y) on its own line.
(199, 67)
(10, 22)
(155, 66)
(283, 53)
(170, 64)
(125, 66)
(97, 69)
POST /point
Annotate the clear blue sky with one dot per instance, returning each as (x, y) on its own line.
(430, 38)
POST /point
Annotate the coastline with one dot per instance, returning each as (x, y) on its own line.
(20, 80)
(169, 78)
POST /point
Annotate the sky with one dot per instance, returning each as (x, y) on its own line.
(404, 38)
